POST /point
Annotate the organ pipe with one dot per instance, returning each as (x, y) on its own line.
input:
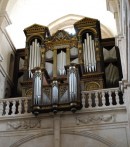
(86, 55)
(37, 84)
(94, 58)
(35, 56)
(61, 62)
(89, 54)
(72, 83)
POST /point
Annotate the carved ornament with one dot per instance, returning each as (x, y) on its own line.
(24, 124)
(95, 119)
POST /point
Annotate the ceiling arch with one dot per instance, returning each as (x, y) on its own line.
(56, 15)
(69, 20)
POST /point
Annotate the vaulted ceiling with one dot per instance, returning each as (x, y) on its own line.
(56, 14)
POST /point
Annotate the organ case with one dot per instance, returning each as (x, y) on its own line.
(57, 67)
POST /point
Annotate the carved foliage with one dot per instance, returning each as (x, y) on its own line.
(95, 119)
(61, 35)
(24, 124)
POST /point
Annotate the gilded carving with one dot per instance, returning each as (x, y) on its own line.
(92, 86)
(29, 92)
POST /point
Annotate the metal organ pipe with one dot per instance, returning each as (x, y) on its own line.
(89, 54)
(35, 56)
(94, 59)
(37, 87)
(72, 83)
(86, 54)
(30, 61)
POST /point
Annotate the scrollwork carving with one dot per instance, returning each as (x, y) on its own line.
(24, 124)
(95, 119)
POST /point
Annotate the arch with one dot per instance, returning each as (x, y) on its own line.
(30, 137)
(88, 29)
(32, 37)
(92, 136)
(69, 132)
(69, 20)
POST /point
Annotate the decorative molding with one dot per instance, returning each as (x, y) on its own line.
(4, 31)
(31, 137)
(90, 135)
(95, 119)
(6, 16)
(5, 74)
(1, 58)
(24, 124)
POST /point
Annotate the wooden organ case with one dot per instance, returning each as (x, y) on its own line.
(56, 68)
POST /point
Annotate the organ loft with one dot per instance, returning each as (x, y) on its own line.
(54, 69)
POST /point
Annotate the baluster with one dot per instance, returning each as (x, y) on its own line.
(123, 99)
(96, 100)
(14, 107)
(117, 98)
(110, 98)
(7, 108)
(103, 99)
(1, 108)
(90, 100)
(83, 100)
(20, 107)
(26, 105)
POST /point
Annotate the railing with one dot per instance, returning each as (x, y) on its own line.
(15, 106)
(90, 100)
(102, 98)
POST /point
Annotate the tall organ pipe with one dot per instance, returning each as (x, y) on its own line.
(37, 84)
(86, 53)
(94, 59)
(84, 56)
(35, 56)
(91, 53)
(72, 83)
(30, 60)
(35, 53)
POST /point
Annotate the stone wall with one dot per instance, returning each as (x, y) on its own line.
(106, 128)
(7, 51)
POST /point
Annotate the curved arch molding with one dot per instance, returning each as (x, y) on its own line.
(69, 20)
(66, 132)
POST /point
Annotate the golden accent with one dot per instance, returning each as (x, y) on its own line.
(29, 92)
(94, 31)
(92, 86)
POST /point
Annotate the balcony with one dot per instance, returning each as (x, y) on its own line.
(104, 99)
(102, 117)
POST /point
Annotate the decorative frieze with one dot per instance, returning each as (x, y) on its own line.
(91, 119)
(24, 124)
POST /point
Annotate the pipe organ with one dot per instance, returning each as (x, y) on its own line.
(57, 67)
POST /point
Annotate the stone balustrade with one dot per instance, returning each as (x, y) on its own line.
(15, 106)
(90, 99)
(102, 98)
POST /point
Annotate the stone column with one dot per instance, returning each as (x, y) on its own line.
(56, 130)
